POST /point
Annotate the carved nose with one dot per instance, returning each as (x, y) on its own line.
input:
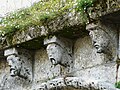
(9, 62)
(94, 42)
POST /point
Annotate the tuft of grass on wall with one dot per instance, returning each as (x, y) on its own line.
(82, 6)
(117, 84)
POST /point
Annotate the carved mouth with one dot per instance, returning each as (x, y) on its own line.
(53, 61)
(13, 75)
(12, 72)
(99, 49)
(12, 69)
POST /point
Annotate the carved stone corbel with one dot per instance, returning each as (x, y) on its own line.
(20, 62)
(59, 51)
(103, 39)
(100, 38)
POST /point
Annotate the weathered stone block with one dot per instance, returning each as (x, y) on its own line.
(10, 51)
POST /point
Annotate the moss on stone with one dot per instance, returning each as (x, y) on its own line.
(34, 16)
(39, 13)
(82, 6)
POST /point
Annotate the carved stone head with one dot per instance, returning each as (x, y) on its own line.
(15, 65)
(55, 52)
(58, 51)
(100, 38)
(20, 62)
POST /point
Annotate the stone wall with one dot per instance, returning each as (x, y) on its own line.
(91, 70)
(83, 63)
(62, 55)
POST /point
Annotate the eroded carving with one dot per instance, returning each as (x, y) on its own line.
(59, 51)
(15, 65)
(42, 87)
(100, 38)
(77, 83)
(20, 62)
(104, 39)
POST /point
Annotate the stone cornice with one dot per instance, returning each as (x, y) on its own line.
(77, 83)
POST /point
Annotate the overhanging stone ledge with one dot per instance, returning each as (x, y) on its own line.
(68, 25)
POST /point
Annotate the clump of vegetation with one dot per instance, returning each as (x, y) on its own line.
(40, 13)
(82, 7)
(117, 84)
(33, 16)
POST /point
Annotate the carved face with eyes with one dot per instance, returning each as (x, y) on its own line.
(15, 65)
(55, 53)
(99, 40)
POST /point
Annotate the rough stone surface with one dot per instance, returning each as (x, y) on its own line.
(11, 83)
(78, 83)
(85, 55)
(43, 68)
(104, 7)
